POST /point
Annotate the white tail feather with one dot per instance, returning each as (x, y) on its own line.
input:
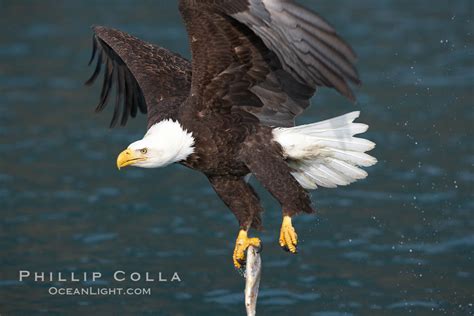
(326, 153)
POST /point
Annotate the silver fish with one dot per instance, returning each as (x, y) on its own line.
(253, 272)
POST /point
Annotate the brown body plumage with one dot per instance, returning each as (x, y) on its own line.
(255, 66)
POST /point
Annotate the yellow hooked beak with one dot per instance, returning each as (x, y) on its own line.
(128, 157)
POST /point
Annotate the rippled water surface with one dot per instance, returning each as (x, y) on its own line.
(399, 242)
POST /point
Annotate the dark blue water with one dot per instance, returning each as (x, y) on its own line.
(400, 242)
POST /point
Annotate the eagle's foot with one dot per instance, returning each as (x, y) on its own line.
(288, 236)
(241, 245)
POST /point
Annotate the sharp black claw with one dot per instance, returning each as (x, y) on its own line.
(288, 250)
(241, 270)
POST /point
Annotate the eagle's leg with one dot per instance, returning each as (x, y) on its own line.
(242, 200)
(288, 237)
(271, 170)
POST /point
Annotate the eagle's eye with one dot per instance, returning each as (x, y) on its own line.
(143, 150)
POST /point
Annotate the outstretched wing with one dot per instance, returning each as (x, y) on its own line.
(266, 57)
(147, 77)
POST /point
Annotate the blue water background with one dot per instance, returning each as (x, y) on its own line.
(399, 242)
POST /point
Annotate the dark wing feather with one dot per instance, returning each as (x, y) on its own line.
(146, 77)
(272, 49)
(308, 47)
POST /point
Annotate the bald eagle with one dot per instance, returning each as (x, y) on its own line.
(230, 112)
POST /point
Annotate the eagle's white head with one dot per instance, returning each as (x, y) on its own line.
(164, 143)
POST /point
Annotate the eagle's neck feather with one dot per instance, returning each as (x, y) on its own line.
(173, 141)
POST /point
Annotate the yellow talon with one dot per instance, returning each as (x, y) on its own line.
(288, 236)
(241, 245)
